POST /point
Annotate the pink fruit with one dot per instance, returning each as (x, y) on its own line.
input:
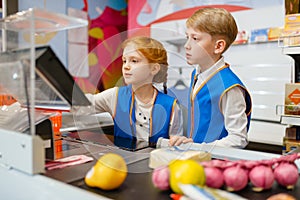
(235, 178)
(222, 164)
(160, 178)
(261, 177)
(214, 177)
(286, 174)
(248, 164)
(288, 158)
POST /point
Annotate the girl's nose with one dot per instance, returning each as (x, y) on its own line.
(126, 65)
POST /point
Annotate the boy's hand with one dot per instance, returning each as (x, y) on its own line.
(176, 140)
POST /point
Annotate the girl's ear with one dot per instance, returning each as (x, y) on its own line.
(220, 46)
(155, 68)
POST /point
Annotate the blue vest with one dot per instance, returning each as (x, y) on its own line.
(206, 121)
(124, 118)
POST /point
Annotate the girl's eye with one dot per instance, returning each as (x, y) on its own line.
(124, 61)
(134, 61)
(194, 38)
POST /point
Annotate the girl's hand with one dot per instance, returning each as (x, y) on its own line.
(176, 140)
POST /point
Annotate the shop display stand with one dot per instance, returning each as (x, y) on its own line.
(15, 145)
(293, 51)
(32, 22)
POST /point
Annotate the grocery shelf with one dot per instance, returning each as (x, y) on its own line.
(289, 44)
(291, 50)
(290, 120)
(287, 119)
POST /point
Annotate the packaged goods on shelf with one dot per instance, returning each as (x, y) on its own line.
(6, 99)
(292, 22)
(290, 144)
(241, 38)
(292, 99)
(274, 33)
(291, 34)
(292, 6)
(290, 39)
(259, 35)
(292, 133)
(265, 34)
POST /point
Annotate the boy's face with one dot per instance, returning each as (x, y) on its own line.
(136, 69)
(200, 48)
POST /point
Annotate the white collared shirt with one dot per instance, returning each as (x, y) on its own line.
(233, 107)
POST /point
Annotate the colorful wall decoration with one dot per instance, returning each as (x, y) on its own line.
(144, 13)
(106, 31)
(93, 55)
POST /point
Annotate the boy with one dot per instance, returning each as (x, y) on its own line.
(219, 104)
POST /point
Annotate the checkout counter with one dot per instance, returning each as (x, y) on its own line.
(97, 140)
(68, 182)
(138, 184)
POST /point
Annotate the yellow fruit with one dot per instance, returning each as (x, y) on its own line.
(186, 172)
(108, 173)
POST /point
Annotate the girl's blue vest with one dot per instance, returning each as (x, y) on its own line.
(124, 118)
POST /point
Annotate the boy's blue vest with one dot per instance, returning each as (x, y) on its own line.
(124, 118)
(206, 121)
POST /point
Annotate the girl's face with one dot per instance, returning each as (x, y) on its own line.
(200, 48)
(136, 69)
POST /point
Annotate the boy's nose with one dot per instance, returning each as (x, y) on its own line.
(187, 45)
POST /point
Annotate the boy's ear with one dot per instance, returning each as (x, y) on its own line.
(155, 68)
(220, 46)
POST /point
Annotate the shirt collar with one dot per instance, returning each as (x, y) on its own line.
(220, 63)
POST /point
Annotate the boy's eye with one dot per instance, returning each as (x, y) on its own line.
(192, 37)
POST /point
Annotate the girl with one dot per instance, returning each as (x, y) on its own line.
(141, 113)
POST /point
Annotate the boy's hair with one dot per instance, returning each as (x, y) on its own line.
(216, 22)
(154, 51)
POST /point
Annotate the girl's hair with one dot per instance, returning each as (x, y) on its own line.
(216, 22)
(154, 51)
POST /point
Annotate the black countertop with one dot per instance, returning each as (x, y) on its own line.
(138, 183)
(139, 186)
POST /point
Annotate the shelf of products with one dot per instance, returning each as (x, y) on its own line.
(290, 43)
(291, 50)
(291, 46)
(290, 120)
